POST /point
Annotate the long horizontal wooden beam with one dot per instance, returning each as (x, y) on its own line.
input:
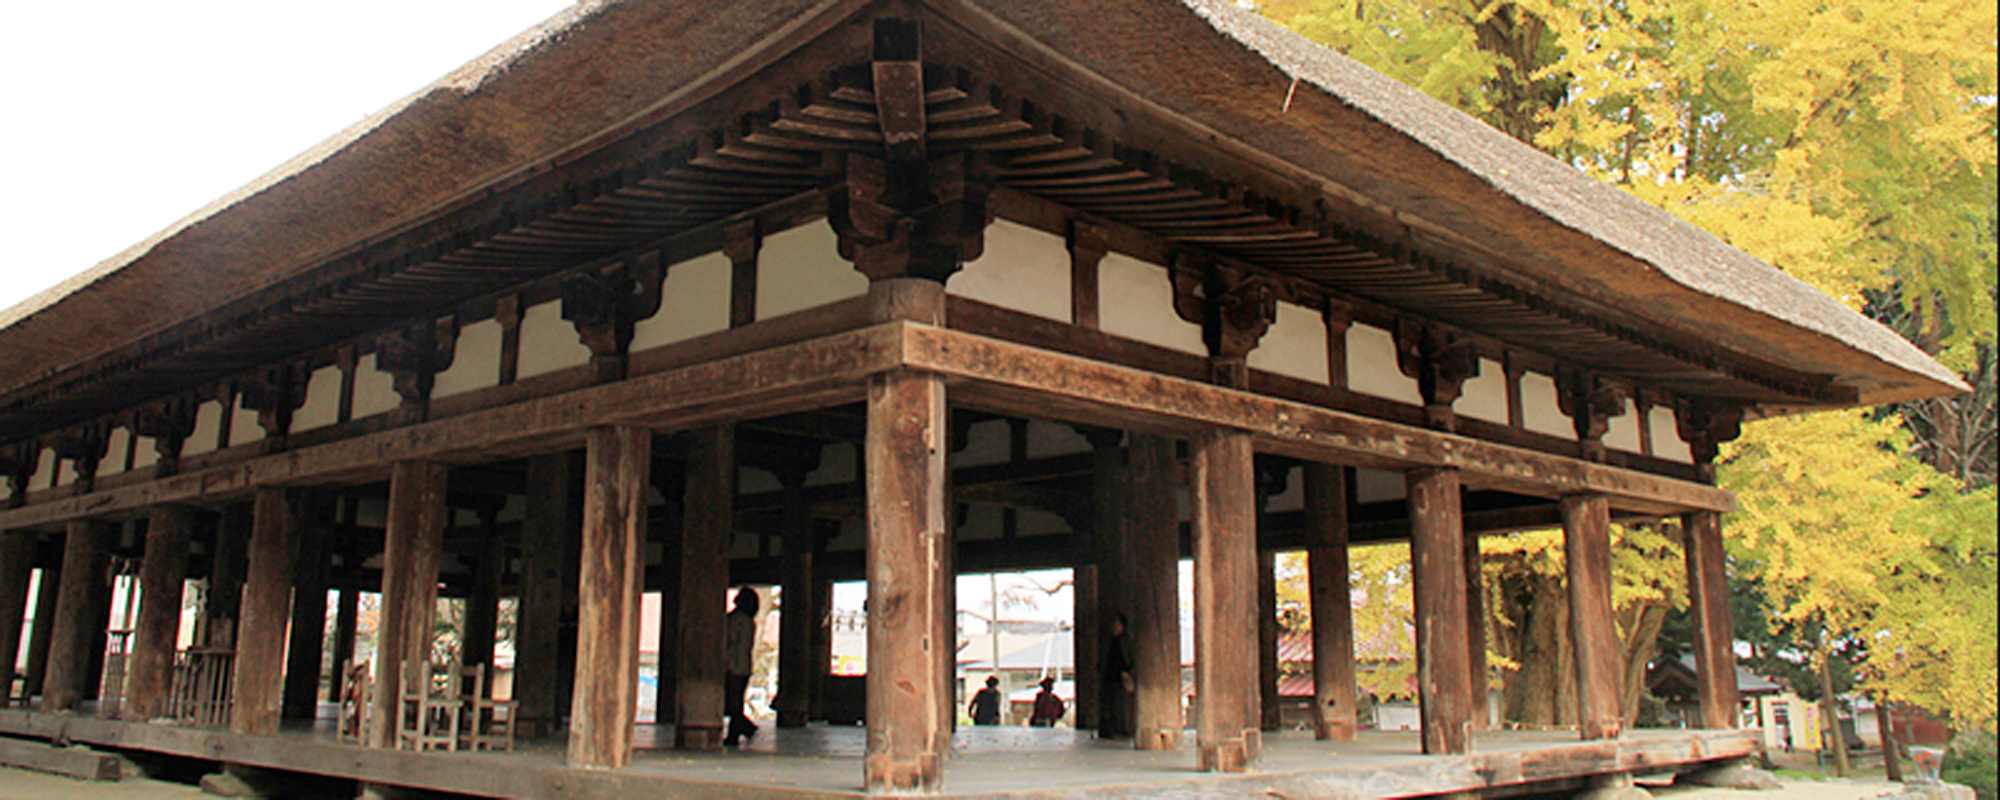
(1004, 376)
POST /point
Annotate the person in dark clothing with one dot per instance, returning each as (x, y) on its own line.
(985, 708)
(1115, 686)
(1048, 707)
(739, 641)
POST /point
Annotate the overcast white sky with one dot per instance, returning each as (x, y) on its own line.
(123, 116)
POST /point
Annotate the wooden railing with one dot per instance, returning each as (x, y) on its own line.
(201, 694)
(111, 691)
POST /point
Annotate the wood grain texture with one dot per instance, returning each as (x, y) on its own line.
(711, 479)
(1227, 738)
(413, 546)
(1436, 556)
(1332, 603)
(162, 572)
(1708, 595)
(17, 564)
(76, 615)
(1593, 634)
(267, 608)
(1149, 548)
(604, 708)
(544, 531)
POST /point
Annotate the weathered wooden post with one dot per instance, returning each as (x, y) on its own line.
(795, 658)
(710, 514)
(1705, 427)
(162, 572)
(1437, 533)
(544, 532)
(603, 712)
(413, 545)
(1227, 734)
(308, 629)
(17, 565)
(1332, 603)
(1594, 637)
(258, 684)
(74, 620)
(1150, 550)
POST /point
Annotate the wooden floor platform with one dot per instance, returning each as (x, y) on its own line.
(822, 761)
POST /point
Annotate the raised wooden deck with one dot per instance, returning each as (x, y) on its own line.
(821, 761)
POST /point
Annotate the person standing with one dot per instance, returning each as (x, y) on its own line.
(1048, 707)
(985, 708)
(1115, 685)
(739, 641)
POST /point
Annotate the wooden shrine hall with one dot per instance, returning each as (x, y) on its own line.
(672, 296)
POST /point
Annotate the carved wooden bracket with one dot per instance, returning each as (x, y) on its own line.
(414, 356)
(274, 393)
(17, 465)
(740, 243)
(897, 69)
(1705, 425)
(1234, 309)
(606, 306)
(1441, 362)
(1088, 244)
(918, 219)
(169, 423)
(1590, 404)
(84, 447)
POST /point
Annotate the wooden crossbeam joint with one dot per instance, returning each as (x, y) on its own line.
(918, 219)
(413, 356)
(741, 242)
(1590, 403)
(274, 393)
(1705, 425)
(606, 307)
(1088, 244)
(898, 72)
(84, 447)
(17, 465)
(1234, 308)
(1441, 362)
(168, 423)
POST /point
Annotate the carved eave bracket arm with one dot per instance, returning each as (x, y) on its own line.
(606, 308)
(17, 465)
(1705, 425)
(1591, 404)
(914, 219)
(413, 356)
(275, 393)
(83, 447)
(1234, 309)
(168, 423)
(1441, 362)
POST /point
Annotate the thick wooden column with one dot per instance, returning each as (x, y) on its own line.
(906, 557)
(308, 632)
(17, 565)
(1332, 602)
(1227, 737)
(543, 533)
(76, 616)
(346, 616)
(412, 547)
(1708, 590)
(711, 494)
(482, 601)
(1101, 562)
(1475, 632)
(267, 605)
(605, 707)
(43, 636)
(798, 616)
(225, 576)
(671, 481)
(162, 572)
(1149, 550)
(1593, 635)
(1437, 542)
(822, 644)
(1270, 707)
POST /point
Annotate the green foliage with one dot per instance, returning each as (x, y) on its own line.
(1972, 761)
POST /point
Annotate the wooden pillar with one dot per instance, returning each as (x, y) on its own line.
(308, 632)
(17, 566)
(795, 657)
(822, 645)
(345, 618)
(671, 481)
(225, 576)
(162, 572)
(604, 710)
(1708, 590)
(1100, 563)
(43, 636)
(267, 604)
(1475, 633)
(711, 494)
(482, 602)
(1150, 552)
(1270, 707)
(1437, 534)
(412, 547)
(1227, 737)
(1593, 635)
(76, 615)
(1334, 694)
(543, 532)
(906, 558)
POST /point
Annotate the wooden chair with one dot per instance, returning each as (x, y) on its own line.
(355, 688)
(489, 723)
(428, 708)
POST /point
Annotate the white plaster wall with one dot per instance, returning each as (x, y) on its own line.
(1293, 498)
(694, 300)
(114, 452)
(322, 405)
(65, 472)
(1022, 268)
(1484, 397)
(985, 443)
(983, 522)
(45, 470)
(1295, 346)
(1029, 522)
(1375, 485)
(475, 362)
(148, 452)
(374, 390)
(836, 465)
(1623, 433)
(6, 492)
(207, 426)
(548, 342)
(1136, 301)
(1371, 366)
(1047, 439)
(1667, 441)
(371, 512)
(753, 481)
(243, 427)
(1540, 411)
(802, 268)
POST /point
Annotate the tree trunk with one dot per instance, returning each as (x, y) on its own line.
(1541, 691)
(1639, 640)
(1829, 711)
(1892, 755)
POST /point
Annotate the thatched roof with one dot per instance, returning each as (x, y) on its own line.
(599, 69)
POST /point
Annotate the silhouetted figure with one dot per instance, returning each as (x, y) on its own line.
(739, 640)
(1048, 707)
(985, 708)
(1115, 686)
